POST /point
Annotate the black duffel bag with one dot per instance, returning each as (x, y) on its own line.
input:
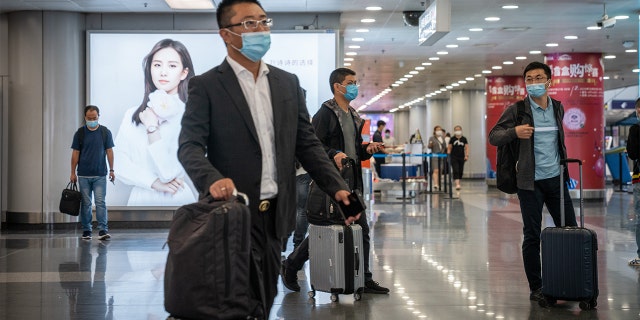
(71, 200)
(207, 275)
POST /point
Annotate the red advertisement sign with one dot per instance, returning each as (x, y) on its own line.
(502, 91)
(577, 82)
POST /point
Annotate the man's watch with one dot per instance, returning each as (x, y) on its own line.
(152, 129)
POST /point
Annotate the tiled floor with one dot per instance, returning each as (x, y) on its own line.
(442, 258)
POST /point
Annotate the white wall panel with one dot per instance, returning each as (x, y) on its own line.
(401, 126)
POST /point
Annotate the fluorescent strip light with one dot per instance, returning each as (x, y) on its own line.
(190, 4)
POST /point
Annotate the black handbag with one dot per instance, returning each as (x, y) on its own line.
(70, 200)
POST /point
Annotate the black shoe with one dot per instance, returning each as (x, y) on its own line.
(103, 235)
(289, 278)
(536, 295)
(86, 235)
(371, 286)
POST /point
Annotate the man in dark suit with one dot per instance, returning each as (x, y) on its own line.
(244, 125)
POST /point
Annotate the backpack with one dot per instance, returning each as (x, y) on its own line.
(508, 154)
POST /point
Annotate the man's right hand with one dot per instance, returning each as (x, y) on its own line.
(343, 196)
(524, 131)
(74, 177)
(222, 189)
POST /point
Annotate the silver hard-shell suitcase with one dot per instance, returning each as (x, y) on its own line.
(336, 260)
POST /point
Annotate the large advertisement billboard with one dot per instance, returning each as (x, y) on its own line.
(130, 73)
(577, 82)
(502, 91)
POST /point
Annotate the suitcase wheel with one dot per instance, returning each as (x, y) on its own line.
(357, 296)
(334, 297)
(588, 305)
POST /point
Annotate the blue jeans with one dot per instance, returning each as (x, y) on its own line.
(636, 204)
(546, 192)
(97, 186)
(302, 224)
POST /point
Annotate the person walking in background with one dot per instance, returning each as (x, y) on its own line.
(377, 137)
(148, 135)
(388, 140)
(237, 115)
(633, 151)
(338, 127)
(458, 151)
(538, 164)
(437, 146)
(92, 147)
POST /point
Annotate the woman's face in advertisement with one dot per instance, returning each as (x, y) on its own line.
(167, 70)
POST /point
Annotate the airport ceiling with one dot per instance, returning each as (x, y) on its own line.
(390, 50)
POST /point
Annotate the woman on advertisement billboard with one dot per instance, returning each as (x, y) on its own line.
(148, 136)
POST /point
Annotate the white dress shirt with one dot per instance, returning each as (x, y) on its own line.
(258, 95)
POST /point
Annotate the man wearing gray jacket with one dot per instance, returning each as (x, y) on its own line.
(538, 164)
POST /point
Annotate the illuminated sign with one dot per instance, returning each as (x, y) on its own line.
(435, 22)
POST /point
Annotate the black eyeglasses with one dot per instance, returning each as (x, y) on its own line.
(537, 79)
(253, 24)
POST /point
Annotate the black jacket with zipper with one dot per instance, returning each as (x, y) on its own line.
(504, 132)
(328, 127)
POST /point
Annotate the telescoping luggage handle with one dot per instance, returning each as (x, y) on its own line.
(562, 164)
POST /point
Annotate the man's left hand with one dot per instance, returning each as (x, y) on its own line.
(374, 147)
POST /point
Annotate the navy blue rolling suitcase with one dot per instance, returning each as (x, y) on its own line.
(569, 258)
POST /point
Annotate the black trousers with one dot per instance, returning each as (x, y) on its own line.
(546, 192)
(378, 162)
(457, 165)
(295, 261)
(265, 249)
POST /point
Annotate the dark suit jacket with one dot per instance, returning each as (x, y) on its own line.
(219, 140)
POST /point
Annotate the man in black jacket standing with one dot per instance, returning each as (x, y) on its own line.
(538, 164)
(633, 150)
(338, 127)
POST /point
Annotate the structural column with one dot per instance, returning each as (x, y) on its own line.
(467, 108)
(46, 98)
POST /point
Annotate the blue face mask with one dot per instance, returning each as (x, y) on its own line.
(536, 90)
(92, 124)
(254, 44)
(352, 92)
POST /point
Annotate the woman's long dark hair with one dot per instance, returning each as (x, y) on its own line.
(149, 87)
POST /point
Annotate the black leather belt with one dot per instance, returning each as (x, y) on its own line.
(267, 204)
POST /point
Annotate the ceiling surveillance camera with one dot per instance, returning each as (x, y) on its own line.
(411, 18)
(606, 22)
